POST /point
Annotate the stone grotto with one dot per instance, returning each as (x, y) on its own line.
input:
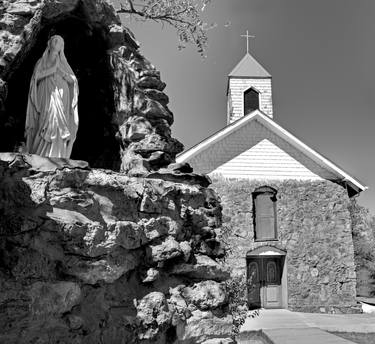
(119, 244)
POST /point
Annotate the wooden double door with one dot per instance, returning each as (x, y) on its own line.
(264, 282)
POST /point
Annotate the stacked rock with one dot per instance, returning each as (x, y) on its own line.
(92, 255)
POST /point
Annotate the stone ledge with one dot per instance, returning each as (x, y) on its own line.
(41, 164)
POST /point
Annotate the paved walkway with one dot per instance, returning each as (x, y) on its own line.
(285, 327)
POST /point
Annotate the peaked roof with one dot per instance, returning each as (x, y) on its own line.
(354, 186)
(249, 67)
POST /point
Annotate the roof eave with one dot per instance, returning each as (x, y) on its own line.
(355, 186)
(352, 188)
(315, 156)
(249, 77)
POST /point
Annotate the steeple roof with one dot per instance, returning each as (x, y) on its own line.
(248, 67)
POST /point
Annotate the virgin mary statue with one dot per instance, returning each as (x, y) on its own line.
(52, 108)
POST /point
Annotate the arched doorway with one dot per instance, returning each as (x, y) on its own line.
(266, 278)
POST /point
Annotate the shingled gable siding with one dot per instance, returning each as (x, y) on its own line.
(237, 89)
(219, 156)
(314, 227)
(264, 160)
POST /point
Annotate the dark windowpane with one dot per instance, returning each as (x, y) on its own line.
(251, 101)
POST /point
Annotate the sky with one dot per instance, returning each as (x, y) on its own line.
(321, 56)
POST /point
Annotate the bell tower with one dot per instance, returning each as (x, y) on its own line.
(249, 88)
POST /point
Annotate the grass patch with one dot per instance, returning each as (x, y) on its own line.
(357, 337)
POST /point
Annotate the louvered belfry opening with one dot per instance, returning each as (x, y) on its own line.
(251, 101)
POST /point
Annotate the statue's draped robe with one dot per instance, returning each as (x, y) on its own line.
(52, 114)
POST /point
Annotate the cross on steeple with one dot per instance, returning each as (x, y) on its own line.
(247, 40)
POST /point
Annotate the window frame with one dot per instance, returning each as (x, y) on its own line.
(262, 190)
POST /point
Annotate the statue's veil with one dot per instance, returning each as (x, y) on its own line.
(64, 65)
(62, 62)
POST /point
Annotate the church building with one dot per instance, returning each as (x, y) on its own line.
(286, 208)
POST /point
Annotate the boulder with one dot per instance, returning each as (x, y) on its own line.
(151, 275)
(154, 315)
(205, 267)
(107, 270)
(168, 249)
(54, 298)
(202, 326)
(149, 82)
(206, 295)
(162, 226)
(126, 234)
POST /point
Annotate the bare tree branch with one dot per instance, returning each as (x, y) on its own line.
(183, 15)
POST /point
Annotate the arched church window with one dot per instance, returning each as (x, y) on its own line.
(251, 101)
(264, 213)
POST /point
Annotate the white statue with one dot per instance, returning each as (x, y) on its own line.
(52, 109)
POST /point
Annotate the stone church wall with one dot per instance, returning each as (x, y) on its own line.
(314, 227)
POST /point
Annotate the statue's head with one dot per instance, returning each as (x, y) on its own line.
(56, 43)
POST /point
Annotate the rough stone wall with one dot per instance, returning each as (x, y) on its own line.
(363, 240)
(138, 115)
(314, 227)
(94, 256)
